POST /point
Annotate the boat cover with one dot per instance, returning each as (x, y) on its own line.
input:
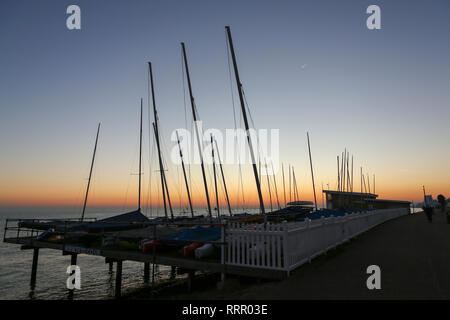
(129, 220)
(196, 234)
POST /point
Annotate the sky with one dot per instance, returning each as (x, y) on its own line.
(305, 66)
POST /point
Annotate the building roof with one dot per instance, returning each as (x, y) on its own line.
(350, 193)
(387, 200)
(300, 203)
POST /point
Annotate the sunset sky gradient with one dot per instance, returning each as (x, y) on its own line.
(305, 66)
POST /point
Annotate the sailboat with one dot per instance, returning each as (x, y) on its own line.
(125, 221)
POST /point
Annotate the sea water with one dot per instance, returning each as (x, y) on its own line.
(97, 281)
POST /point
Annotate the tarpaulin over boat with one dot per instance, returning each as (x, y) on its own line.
(197, 234)
(129, 220)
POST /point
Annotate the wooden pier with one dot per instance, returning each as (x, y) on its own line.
(170, 258)
(260, 250)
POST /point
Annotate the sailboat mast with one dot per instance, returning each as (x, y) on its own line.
(275, 184)
(185, 177)
(155, 128)
(90, 174)
(194, 115)
(163, 180)
(140, 161)
(343, 171)
(312, 172)
(290, 183)
(348, 172)
(223, 178)
(364, 182)
(268, 185)
(352, 176)
(244, 114)
(374, 184)
(361, 175)
(215, 178)
(284, 185)
(338, 176)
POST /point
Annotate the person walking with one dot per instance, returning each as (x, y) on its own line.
(428, 212)
(443, 205)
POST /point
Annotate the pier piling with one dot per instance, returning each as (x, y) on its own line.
(118, 278)
(173, 272)
(146, 272)
(34, 267)
(190, 280)
(73, 259)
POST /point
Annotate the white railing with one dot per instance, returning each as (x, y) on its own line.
(286, 246)
(255, 245)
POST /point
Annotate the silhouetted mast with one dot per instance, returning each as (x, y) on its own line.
(268, 185)
(284, 185)
(215, 178)
(194, 115)
(338, 176)
(90, 174)
(156, 130)
(290, 192)
(185, 177)
(140, 161)
(345, 170)
(342, 172)
(348, 173)
(294, 183)
(361, 175)
(374, 184)
(312, 172)
(244, 114)
(223, 178)
(352, 176)
(275, 184)
(163, 178)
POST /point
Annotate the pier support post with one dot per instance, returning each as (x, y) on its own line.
(73, 262)
(146, 272)
(118, 278)
(73, 259)
(191, 280)
(34, 267)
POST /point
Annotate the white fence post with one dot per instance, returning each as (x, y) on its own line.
(222, 253)
(285, 246)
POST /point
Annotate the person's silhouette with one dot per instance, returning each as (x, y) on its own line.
(429, 213)
(443, 204)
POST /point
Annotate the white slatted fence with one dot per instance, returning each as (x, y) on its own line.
(286, 246)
